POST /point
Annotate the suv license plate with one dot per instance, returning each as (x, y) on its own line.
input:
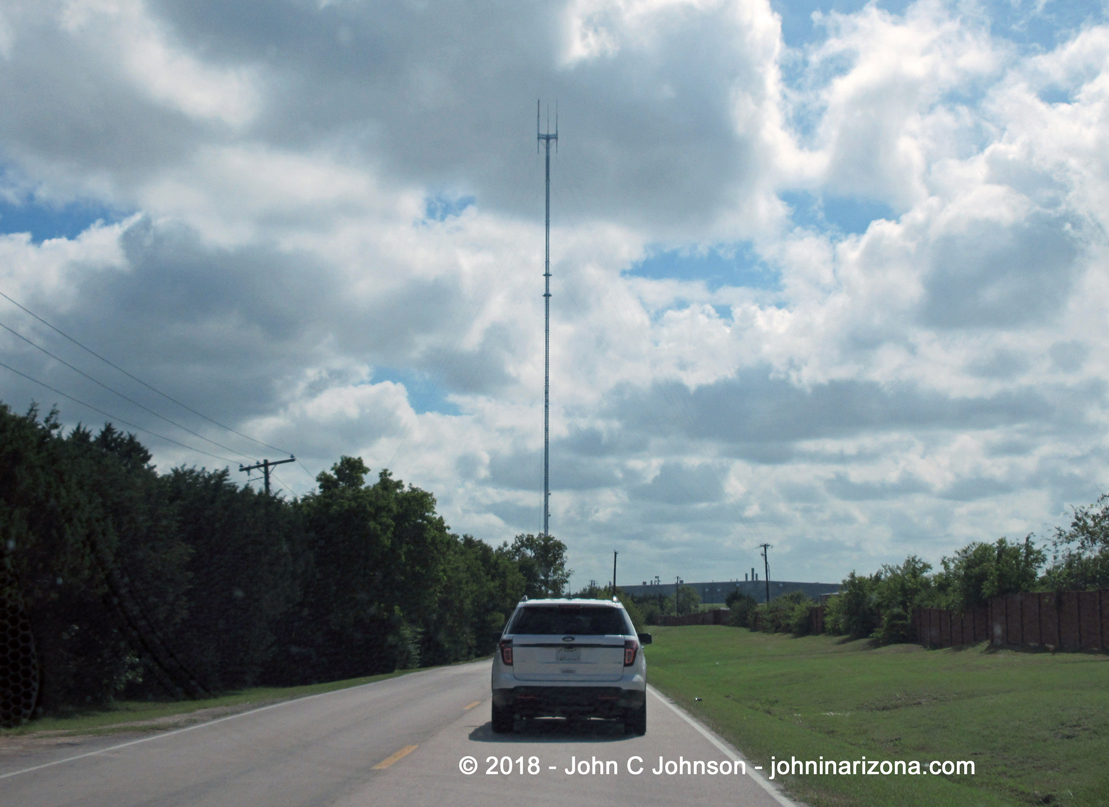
(569, 654)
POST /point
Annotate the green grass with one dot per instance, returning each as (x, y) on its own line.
(1036, 725)
(120, 715)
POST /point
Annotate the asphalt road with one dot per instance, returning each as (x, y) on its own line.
(393, 743)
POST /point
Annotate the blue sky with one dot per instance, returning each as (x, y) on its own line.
(846, 214)
(1032, 25)
(425, 394)
(732, 265)
(44, 221)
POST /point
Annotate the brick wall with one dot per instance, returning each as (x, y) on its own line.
(1066, 620)
(717, 616)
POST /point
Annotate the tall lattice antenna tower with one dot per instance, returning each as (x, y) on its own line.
(546, 138)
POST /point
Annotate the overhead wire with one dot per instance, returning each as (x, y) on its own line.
(139, 380)
(114, 417)
(286, 488)
(301, 464)
(165, 395)
(121, 395)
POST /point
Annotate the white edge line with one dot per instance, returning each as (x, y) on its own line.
(196, 726)
(760, 780)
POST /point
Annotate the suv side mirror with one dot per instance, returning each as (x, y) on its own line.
(644, 638)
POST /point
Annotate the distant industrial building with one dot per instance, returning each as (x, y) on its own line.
(717, 592)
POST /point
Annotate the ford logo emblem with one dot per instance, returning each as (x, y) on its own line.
(567, 638)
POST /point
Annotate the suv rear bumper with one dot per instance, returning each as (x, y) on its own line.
(556, 701)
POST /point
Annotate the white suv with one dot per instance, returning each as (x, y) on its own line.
(570, 657)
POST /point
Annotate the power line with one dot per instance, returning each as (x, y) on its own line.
(286, 488)
(121, 395)
(139, 380)
(301, 464)
(113, 417)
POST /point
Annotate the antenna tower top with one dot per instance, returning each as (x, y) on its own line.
(548, 135)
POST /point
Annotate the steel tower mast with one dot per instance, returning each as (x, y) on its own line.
(546, 139)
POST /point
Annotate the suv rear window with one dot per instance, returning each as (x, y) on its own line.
(550, 620)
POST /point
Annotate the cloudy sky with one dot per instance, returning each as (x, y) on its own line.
(826, 275)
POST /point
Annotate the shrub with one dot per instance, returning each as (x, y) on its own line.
(787, 614)
(896, 627)
(742, 607)
(856, 607)
(801, 619)
(406, 645)
(633, 610)
(903, 586)
(652, 607)
(759, 619)
(897, 590)
(980, 571)
(688, 600)
(833, 615)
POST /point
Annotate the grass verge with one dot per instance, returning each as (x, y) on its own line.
(1036, 725)
(163, 715)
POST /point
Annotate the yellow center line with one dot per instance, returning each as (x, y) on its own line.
(471, 706)
(385, 763)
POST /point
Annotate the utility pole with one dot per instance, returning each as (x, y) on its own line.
(766, 568)
(546, 139)
(265, 465)
(614, 574)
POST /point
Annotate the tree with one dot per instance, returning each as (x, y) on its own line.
(899, 589)
(381, 559)
(1081, 552)
(346, 624)
(542, 561)
(854, 610)
(139, 551)
(91, 543)
(980, 571)
(138, 584)
(742, 607)
(788, 613)
(653, 606)
(50, 572)
(687, 599)
(482, 586)
(241, 571)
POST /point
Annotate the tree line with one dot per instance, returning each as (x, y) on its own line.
(880, 605)
(138, 584)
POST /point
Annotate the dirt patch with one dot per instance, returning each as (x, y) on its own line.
(54, 739)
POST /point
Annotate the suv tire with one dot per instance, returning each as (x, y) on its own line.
(636, 722)
(503, 720)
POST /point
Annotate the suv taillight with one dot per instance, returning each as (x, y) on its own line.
(506, 652)
(631, 647)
